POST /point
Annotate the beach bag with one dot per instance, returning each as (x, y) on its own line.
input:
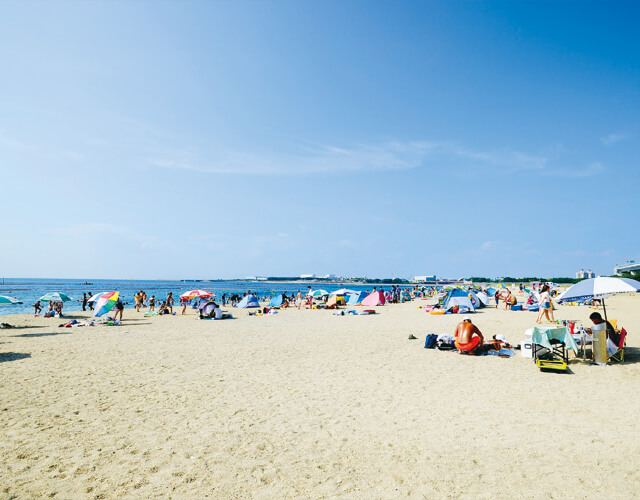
(445, 345)
(430, 341)
(446, 342)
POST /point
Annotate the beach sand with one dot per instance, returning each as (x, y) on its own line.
(305, 404)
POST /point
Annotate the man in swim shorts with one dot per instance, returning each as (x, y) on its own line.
(468, 338)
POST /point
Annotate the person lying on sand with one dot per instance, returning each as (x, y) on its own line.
(468, 337)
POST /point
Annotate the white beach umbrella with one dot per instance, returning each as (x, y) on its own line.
(599, 288)
(343, 291)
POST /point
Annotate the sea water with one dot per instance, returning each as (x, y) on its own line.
(30, 290)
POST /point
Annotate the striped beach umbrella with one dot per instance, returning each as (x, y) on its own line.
(105, 303)
(192, 294)
(55, 297)
(8, 301)
(319, 293)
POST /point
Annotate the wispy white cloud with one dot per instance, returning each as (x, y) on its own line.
(611, 139)
(108, 229)
(511, 161)
(388, 156)
(595, 168)
(489, 245)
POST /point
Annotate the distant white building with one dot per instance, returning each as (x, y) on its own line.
(422, 279)
(307, 276)
(582, 274)
(329, 276)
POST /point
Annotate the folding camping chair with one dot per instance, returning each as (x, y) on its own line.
(619, 354)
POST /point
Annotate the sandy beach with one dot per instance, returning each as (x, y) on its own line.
(305, 404)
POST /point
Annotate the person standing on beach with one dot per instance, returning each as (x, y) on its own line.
(299, 300)
(37, 308)
(170, 301)
(90, 304)
(497, 297)
(84, 301)
(152, 303)
(184, 301)
(119, 307)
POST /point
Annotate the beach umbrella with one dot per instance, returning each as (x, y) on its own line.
(319, 293)
(343, 291)
(105, 303)
(55, 297)
(95, 297)
(8, 301)
(599, 288)
(192, 294)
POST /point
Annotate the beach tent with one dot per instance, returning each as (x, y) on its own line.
(343, 291)
(248, 301)
(460, 298)
(336, 300)
(355, 299)
(276, 301)
(484, 298)
(405, 296)
(475, 300)
(374, 299)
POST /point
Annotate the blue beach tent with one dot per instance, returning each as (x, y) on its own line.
(248, 301)
(458, 297)
(276, 301)
(356, 298)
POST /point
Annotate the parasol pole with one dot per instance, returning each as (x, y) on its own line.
(605, 310)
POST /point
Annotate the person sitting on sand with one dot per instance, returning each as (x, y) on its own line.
(468, 338)
(510, 300)
(164, 309)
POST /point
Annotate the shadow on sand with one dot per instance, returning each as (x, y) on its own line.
(50, 334)
(12, 356)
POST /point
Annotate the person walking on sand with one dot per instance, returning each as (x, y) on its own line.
(37, 308)
(546, 307)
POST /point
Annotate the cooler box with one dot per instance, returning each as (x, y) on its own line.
(526, 348)
(517, 307)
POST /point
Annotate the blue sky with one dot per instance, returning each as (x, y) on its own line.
(227, 139)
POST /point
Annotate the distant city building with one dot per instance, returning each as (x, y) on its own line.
(582, 274)
(422, 279)
(307, 276)
(631, 266)
(329, 277)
